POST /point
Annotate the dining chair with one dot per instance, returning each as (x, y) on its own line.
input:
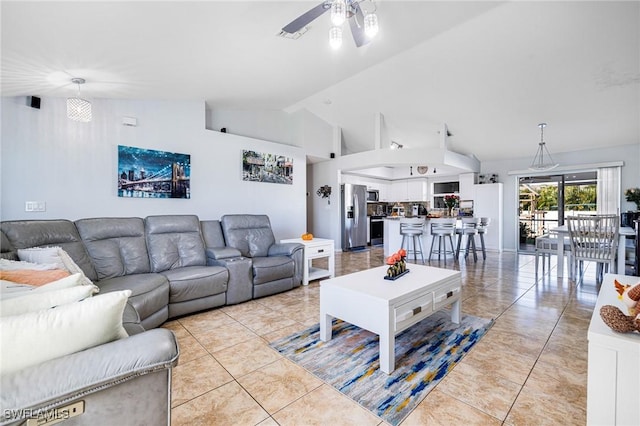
(547, 246)
(595, 239)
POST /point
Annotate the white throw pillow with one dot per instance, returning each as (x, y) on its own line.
(66, 282)
(7, 287)
(30, 301)
(14, 265)
(53, 255)
(35, 337)
(46, 255)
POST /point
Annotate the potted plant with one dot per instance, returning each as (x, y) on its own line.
(633, 195)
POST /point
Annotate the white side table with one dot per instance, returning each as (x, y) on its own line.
(316, 248)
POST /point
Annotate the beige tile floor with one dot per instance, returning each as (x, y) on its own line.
(529, 369)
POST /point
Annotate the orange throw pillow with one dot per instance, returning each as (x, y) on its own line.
(33, 277)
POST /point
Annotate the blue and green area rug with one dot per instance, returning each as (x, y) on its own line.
(425, 353)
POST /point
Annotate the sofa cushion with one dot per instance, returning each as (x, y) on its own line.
(273, 268)
(251, 234)
(174, 241)
(149, 292)
(35, 337)
(117, 246)
(41, 233)
(193, 282)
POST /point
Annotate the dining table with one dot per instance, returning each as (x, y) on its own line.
(563, 231)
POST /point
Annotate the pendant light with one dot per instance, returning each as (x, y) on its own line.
(539, 162)
(78, 109)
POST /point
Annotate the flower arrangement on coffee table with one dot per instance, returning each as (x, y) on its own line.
(397, 265)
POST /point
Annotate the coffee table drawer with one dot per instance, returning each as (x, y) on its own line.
(445, 296)
(413, 311)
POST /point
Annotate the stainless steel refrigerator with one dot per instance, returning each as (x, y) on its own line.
(353, 207)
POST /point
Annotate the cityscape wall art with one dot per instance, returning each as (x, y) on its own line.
(146, 173)
(272, 168)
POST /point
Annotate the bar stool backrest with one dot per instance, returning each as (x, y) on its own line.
(443, 226)
(470, 225)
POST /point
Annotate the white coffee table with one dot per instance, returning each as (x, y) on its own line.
(315, 248)
(386, 307)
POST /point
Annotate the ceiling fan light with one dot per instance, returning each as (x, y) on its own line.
(371, 25)
(338, 12)
(335, 37)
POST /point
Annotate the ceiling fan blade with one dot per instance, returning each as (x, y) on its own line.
(304, 19)
(357, 27)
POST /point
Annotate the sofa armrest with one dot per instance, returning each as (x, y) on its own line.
(294, 251)
(51, 383)
(284, 249)
(220, 253)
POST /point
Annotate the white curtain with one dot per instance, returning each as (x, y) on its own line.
(608, 190)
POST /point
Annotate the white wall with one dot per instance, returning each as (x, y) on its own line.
(629, 178)
(301, 128)
(73, 166)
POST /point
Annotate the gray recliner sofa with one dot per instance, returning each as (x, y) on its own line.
(174, 265)
(275, 267)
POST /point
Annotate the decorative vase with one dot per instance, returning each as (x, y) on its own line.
(450, 211)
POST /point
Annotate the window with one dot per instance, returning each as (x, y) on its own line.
(440, 189)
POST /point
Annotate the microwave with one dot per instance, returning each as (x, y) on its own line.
(373, 196)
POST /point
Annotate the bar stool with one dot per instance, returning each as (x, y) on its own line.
(442, 228)
(482, 230)
(470, 230)
(412, 231)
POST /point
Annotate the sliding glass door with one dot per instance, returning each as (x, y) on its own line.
(545, 200)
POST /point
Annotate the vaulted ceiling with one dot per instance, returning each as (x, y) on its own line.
(490, 70)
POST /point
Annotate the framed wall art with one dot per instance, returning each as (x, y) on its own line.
(147, 173)
(272, 168)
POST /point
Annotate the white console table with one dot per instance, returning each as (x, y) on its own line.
(613, 395)
(316, 248)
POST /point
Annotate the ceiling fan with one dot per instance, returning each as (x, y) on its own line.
(362, 27)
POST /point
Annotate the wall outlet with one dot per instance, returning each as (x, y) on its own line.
(35, 206)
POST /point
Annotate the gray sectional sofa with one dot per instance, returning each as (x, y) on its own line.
(174, 265)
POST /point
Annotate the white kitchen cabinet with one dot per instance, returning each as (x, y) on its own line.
(417, 190)
(488, 202)
(409, 190)
(384, 192)
(399, 191)
(467, 186)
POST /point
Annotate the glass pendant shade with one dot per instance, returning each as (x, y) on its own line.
(335, 37)
(79, 109)
(338, 12)
(371, 25)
